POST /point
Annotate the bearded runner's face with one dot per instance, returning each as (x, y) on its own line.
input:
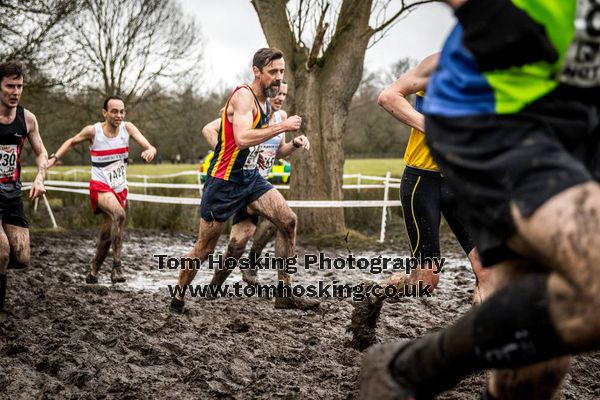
(271, 76)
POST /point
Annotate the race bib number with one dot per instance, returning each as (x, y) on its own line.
(252, 158)
(116, 174)
(8, 160)
(582, 61)
(268, 155)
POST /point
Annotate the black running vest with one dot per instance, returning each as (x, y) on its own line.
(12, 137)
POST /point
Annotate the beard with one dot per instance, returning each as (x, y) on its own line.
(273, 90)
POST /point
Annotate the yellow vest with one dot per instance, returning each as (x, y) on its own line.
(417, 153)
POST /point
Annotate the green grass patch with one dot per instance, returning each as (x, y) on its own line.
(375, 166)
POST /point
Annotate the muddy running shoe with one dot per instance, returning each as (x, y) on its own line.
(92, 276)
(176, 306)
(116, 275)
(376, 380)
(295, 303)
(363, 324)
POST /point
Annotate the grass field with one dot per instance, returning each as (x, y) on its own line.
(375, 166)
(370, 166)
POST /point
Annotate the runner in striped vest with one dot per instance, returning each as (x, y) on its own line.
(109, 150)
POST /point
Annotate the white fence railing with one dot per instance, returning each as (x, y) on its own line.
(76, 187)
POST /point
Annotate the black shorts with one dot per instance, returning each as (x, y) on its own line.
(243, 215)
(221, 199)
(425, 195)
(13, 213)
(495, 161)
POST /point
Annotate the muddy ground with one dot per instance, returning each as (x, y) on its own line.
(64, 339)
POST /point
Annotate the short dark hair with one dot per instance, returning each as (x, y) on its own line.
(10, 69)
(264, 56)
(109, 98)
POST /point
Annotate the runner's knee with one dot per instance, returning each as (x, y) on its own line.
(288, 223)
(270, 230)
(119, 217)
(236, 247)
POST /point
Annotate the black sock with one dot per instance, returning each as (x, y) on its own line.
(511, 329)
(2, 290)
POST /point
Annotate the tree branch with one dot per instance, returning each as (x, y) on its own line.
(319, 36)
(402, 10)
(274, 23)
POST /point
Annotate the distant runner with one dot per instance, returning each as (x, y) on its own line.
(109, 150)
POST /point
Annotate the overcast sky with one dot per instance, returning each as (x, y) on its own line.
(232, 34)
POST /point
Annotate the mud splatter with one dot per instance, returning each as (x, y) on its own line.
(64, 339)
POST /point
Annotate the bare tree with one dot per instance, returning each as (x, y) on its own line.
(130, 47)
(324, 49)
(28, 27)
(401, 66)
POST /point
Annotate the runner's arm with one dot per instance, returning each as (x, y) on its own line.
(393, 98)
(211, 132)
(242, 104)
(149, 150)
(86, 133)
(285, 148)
(41, 155)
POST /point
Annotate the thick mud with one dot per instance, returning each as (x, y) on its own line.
(63, 339)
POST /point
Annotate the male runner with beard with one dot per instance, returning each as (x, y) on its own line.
(233, 181)
(245, 224)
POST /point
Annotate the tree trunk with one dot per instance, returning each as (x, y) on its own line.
(321, 95)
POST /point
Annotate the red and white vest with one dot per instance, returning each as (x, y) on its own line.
(109, 158)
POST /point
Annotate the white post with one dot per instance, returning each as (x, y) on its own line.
(50, 212)
(145, 184)
(386, 191)
(358, 182)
